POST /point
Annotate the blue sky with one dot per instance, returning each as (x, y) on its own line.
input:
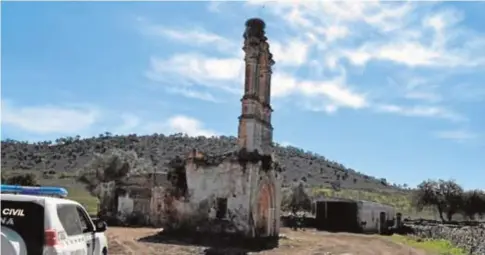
(394, 90)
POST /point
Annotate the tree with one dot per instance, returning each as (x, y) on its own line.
(296, 200)
(452, 195)
(23, 180)
(473, 203)
(446, 196)
(113, 165)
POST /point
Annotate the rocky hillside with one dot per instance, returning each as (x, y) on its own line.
(72, 153)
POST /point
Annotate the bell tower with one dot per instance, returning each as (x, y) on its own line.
(255, 129)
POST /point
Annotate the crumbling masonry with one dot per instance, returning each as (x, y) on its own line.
(238, 192)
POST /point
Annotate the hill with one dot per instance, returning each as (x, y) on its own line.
(69, 154)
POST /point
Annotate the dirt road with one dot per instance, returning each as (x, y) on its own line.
(125, 241)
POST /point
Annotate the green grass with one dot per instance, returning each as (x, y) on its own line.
(439, 247)
(76, 191)
(83, 197)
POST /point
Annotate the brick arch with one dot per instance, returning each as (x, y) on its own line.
(265, 203)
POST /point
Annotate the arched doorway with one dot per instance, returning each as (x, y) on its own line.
(265, 210)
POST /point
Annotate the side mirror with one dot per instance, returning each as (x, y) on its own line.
(101, 225)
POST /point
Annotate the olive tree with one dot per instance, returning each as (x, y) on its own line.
(445, 196)
(473, 203)
(296, 199)
(114, 165)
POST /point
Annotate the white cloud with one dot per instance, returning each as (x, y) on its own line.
(408, 53)
(336, 92)
(194, 69)
(333, 39)
(405, 34)
(320, 106)
(292, 53)
(420, 111)
(332, 93)
(191, 70)
(424, 96)
(456, 135)
(191, 36)
(176, 124)
(189, 126)
(192, 93)
(438, 42)
(416, 89)
(394, 31)
(287, 84)
(47, 119)
(326, 13)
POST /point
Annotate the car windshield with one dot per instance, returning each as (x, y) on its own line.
(24, 221)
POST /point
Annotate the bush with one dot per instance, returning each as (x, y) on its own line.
(296, 199)
(24, 180)
(114, 165)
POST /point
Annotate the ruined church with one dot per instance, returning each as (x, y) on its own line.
(237, 192)
(240, 191)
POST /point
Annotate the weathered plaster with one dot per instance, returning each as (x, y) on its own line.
(248, 180)
(125, 206)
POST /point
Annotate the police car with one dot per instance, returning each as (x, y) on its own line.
(39, 220)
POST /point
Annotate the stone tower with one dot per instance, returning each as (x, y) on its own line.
(255, 130)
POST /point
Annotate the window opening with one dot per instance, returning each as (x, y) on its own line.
(221, 208)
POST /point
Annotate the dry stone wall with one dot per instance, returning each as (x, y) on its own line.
(470, 238)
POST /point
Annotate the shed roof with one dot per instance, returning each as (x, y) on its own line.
(348, 200)
(333, 199)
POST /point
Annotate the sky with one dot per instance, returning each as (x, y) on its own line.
(391, 89)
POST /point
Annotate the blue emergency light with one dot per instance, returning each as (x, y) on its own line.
(29, 190)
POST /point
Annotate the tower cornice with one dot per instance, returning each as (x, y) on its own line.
(256, 118)
(256, 99)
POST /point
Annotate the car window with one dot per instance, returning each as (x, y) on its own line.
(86, 223)
(24, 219)
(69, 218)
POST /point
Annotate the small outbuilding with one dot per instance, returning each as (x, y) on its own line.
(345, 215)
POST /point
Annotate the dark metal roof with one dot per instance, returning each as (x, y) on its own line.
(338, 199)
(333, 199)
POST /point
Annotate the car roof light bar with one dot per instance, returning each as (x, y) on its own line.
(29, 190)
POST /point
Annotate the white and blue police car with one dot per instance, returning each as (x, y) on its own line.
(41, 221)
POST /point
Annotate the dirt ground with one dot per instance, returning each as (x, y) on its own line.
(124, 241)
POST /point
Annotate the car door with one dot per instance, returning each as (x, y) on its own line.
(88, 231)
(22, 227)
(73, 242)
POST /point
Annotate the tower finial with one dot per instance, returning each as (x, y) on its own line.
(255, 28)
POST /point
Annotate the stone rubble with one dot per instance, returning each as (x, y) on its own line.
(470, 238)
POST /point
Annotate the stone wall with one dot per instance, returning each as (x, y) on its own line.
(210, 183)
(470, 238)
